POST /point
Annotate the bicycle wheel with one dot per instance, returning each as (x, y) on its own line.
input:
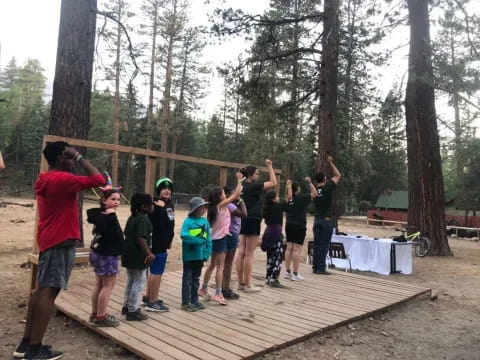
(422, 246)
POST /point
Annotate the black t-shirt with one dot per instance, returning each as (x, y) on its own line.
(296, 210)
(163, 222)
(108, 234)
(323, 202)
(252, 195)
(138, 226)
(273, 214)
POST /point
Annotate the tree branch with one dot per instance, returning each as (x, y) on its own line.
(467, 26)
(130, 46)
(285, 54)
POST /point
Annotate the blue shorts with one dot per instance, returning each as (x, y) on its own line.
(232, 242)
(219, 245)
(158, 265)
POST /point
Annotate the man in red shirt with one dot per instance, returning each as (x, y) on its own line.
(58, 231)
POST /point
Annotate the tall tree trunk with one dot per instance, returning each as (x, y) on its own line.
(72, 86)
(116, 108)
(456, 107)
(152, 76)
(180, 111)
(167, 90)
(293, 113)
(425, 172)
(328, 84)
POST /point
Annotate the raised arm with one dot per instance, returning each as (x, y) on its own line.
(289, 194)
(336, 174)
(84, 163)
(236, 193)
(271, 173)
(311, 187)
(241, 210)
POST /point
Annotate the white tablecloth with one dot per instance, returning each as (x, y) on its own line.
(368, 254)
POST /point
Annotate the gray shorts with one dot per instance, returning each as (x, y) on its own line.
(55, 266)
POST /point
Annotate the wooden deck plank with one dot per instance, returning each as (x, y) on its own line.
(192, 345)
(251, 301)
(247, 328)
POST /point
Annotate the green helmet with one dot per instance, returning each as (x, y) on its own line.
(162, 183)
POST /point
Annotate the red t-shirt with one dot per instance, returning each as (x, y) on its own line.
(58, 205)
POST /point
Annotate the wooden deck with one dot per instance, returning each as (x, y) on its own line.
(249, 327)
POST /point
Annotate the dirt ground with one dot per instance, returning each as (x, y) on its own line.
(446, 328)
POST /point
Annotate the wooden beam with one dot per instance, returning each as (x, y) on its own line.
(223, 176)
(150, 170)
(152, 153)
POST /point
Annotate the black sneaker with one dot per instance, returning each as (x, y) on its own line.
(322, 273)
(109, 321)
(275, 284)
(230, 295)
(124, 310)
(145, 300)
(44, 353)
(20, 351)
(157, 306)
(136, 316)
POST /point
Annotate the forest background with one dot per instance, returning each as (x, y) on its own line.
(234, 89)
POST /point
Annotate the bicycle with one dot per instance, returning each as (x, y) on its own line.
(421, 243)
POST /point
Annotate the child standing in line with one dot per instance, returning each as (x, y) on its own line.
(196, 249)
(106, 246)
(296, 206)
(219, 219)
(163, 222)
(238, 210)
(137, 255)
(272, 237)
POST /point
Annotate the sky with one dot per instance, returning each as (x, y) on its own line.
(29, 28)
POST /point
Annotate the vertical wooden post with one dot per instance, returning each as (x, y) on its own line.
(150, 169)
(223, 176)
(34, 268)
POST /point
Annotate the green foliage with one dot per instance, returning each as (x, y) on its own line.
(23, 119)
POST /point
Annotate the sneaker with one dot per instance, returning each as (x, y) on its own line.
(45, 353)
(145, 300)
(189, 308)
(241, 287)
(275, 284)
(297, 277)
(219, 299)
(230, 295)
(288, 275)
(109, 321)
(156, 307)
(203, 293)
(136, 316)
(322, 273)
(92, 318)
(124, 310)
(20, 351)
(199, 306)
(252, 289)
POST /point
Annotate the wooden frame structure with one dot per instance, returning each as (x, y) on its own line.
(150, 175)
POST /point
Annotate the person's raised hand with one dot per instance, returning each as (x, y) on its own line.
(268, 163)
(308, 180)
(289, 182)
(160, 203)
(239, 176)
(329, 159)
(69, 152)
